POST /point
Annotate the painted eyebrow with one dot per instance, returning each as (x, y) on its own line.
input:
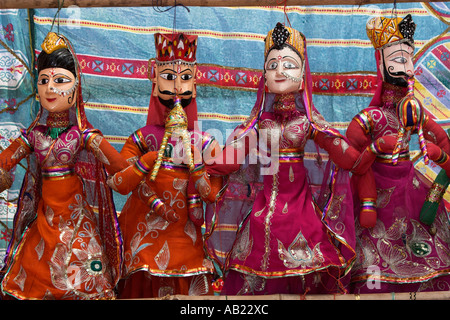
(168, 69)
(56, 75)
(62, 75)
(283, 58)
(398, 51)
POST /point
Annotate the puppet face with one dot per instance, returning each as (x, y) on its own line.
(283, 71)
(57, 89)
(397, 64)
(175, 80)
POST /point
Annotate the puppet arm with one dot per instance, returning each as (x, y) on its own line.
(202, 187)
(103, 151)
(434, 133)
(348, 157)
(230, 158)
(10, 157)
(363, 175)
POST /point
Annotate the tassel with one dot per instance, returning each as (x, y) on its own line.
(398, 145)
(55, 132)
(411, 118)
(423, 145)
(176, 122)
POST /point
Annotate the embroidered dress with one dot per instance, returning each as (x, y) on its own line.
(286, 245)
(60, 253)
(400, 251)
(65, 242)
(162, 219)
(285, 222)
(162, 257)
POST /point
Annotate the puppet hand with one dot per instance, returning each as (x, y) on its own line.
(384, 145)
(368, 218)
(148, 196)
(368, 212)
(162, 209)
(149, 158)
(167, 213)
(196, 215)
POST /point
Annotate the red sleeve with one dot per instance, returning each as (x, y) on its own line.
(434, 133)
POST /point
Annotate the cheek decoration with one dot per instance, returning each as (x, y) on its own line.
(288, 76)
(70, 99)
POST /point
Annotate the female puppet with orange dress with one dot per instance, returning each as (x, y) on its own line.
(65, 242)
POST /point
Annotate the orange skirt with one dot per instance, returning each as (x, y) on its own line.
(158, 248)
(60, 255)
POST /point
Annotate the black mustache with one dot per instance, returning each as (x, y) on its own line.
(170, 93)
(398, 74)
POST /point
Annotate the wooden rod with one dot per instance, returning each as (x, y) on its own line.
(431, 295)
(32, 4)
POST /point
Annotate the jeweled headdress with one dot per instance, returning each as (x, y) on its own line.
(284, 35)
(175, 48)
(384, 31)
(53, 42)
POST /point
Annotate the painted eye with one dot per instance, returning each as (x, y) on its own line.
(168, 76)
(401, 60)
(42, 81)
(273, 65)
(186, 77)
(289, 65)
(62, 80)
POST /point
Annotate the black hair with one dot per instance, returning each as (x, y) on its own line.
(61, 58)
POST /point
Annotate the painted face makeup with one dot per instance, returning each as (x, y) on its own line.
(175, 80)
(398, 64)
(284, 71)
(56, 89)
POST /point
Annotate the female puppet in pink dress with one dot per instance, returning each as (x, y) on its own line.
(396, 251)
(285, 222)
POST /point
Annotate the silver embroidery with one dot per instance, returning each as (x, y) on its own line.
(190, 230)
(40, 248)
(21, 278)
(95, 147)
(49, 214)
(300, 254)
(198, 286)
(181, 186)
(163, 257)
(244, 244)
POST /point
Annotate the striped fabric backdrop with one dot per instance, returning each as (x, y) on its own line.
(114, 45)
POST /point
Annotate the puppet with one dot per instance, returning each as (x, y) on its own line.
(396, 251)
(285, 222)
(66, 242)
(161, 220)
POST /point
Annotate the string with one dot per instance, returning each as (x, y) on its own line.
(285, 13)
(60, 5)
(157, 8)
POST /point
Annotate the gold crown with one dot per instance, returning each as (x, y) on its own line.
(53, 42)
(384, 31)
(281, 35)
